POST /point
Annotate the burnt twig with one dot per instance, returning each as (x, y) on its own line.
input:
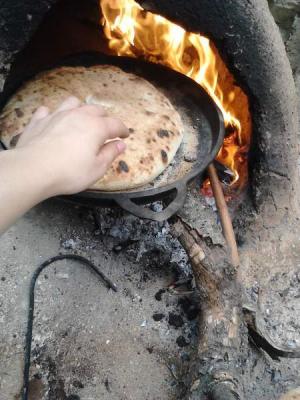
(224, 214)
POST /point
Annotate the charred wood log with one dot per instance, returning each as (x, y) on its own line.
(229, 330)
(223, 336)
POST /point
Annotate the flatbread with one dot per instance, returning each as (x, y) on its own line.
(156, 129)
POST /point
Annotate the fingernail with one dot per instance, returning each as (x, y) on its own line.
(121, 146)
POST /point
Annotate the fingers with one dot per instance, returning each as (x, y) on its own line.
(69, 104)
(29, 132)
(94, 110)
(72, 103)
(40, 113)
(112, 128)
(109, 152)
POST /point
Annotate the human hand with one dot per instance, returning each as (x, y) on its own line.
(68, 147)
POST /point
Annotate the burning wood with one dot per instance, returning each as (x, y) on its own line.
(224, 215)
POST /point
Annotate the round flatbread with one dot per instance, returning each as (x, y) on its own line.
(156, 129)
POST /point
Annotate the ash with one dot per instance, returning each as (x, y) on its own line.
(76, 341)
(143, 240)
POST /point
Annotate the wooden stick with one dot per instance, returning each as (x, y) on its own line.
(224, 214)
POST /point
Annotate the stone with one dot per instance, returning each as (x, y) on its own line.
(284, 13)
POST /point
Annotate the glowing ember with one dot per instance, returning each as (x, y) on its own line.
(134, 32)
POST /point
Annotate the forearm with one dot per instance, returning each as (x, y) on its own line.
(22, 185)
(60, 153)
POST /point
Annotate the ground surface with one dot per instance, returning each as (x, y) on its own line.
(271, 277)
(93, 343)
(87, 340)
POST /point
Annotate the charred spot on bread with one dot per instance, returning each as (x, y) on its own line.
(14, 140)
(163, 133)
(143, 13)
(123, 167)
(147, 112)
(164, 156)
(19, 112)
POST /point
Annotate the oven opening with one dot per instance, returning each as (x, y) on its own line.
(123, 28)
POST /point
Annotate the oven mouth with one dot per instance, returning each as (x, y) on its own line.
(97, 50)
(204, 131)
(74, 27)
(203, 135)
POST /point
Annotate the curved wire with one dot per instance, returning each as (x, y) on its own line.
(27, 350)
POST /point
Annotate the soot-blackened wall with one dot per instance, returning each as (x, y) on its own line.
(247, 37)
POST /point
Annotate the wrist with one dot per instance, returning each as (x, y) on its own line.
(33, 175)
(22, 185)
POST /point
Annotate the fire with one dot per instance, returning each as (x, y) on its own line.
(133, 32)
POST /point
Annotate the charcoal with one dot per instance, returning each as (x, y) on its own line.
(158, 316)
(149, 242)
(175, 320)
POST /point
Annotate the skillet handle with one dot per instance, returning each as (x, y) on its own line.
(144, 212)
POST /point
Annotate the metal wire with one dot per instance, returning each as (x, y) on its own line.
(27, 350)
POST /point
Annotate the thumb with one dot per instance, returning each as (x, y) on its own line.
(40, 113)
(109, 152)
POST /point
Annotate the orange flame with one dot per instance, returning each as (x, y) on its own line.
(134, 32)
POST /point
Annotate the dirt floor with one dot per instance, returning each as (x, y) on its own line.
(91, 343)
(271, 280)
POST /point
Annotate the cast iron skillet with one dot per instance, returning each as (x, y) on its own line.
(202, 118)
